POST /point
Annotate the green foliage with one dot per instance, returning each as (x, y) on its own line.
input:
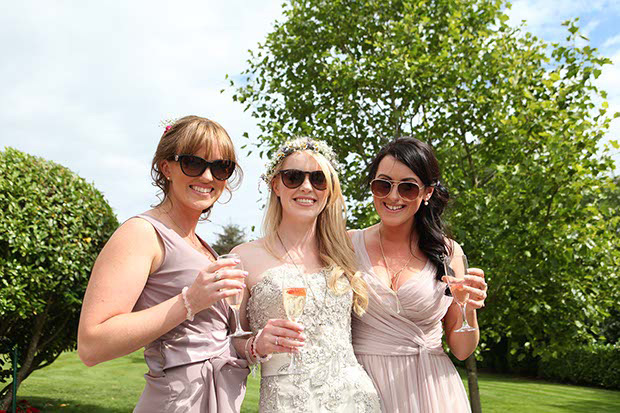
(52, 226)
(594, 364)
(231, 236)
(516, 123)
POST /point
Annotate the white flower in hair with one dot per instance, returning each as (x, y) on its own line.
(295, 145)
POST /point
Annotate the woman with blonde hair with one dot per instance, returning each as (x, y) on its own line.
(305, 245)
(156, 284)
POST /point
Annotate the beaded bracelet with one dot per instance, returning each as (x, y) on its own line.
(248, 357)
(253, 351)
(190, 315)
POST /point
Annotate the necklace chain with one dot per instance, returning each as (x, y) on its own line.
(393, 278)
(193, 240)
(303, 275)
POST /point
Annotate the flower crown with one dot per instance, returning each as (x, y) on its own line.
(296, 145)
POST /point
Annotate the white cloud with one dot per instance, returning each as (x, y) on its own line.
(612, 41)
(85, 84)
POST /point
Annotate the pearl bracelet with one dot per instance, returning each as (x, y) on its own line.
(190, 315)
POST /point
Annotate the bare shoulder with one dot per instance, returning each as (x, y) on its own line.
(135, 233)
(256, 260)
(454, 247)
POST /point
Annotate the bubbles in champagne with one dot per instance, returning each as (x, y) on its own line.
(294, 301)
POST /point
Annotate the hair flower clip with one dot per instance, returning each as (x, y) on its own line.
(167, 124)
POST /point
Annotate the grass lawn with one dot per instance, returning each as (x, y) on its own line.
(115, 386)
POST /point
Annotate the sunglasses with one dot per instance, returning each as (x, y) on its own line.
(193, 166)
(293, 178)
(381, 188)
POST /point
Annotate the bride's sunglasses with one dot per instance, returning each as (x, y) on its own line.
(381, 188)
(193, 166)
(293, 178)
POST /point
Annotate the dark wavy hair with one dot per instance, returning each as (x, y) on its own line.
(420, 158)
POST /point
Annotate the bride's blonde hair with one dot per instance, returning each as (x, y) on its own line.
(335, 247)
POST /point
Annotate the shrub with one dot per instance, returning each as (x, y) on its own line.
(595, 364)
(52, 226)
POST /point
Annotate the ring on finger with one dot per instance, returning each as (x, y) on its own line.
(218, 276)
(277, 341)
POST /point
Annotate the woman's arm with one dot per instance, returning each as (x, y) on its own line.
(108, 328)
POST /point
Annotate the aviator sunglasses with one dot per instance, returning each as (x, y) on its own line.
(193, 166)
(381, 188)
(293, 178)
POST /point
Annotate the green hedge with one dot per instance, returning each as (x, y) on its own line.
(596, 365)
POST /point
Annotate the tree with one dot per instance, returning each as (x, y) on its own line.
(231, 236)
(52, 226)
(516, 123)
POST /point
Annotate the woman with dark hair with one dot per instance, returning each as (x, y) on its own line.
(398, 339)
(157, 285)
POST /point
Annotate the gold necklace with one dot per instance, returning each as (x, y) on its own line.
(191, 239)
(393, 278)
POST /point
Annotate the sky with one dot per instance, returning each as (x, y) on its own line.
(86, 84)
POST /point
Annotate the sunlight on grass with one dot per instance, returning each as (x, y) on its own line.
(115, 386)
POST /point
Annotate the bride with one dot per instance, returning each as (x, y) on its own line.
(306, 245)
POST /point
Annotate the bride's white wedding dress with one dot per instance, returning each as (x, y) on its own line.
(330, 379)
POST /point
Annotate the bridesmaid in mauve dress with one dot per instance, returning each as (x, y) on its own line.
(157, 285)
(399, 338)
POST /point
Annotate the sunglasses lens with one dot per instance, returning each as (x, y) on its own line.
(222, 169)
(192, 165)
(318, 181)
(409, 191)
(292, 178)
(380, 188)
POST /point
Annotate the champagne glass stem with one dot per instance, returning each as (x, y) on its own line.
(465, 324)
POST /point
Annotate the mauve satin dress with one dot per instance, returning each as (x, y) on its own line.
(402, 352)
(193, 367)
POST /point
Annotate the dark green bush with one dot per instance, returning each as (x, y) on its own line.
(52, 226)
(595, 365)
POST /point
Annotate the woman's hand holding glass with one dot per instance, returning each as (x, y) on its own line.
(280, 336)
(218, 281)
(467, 286)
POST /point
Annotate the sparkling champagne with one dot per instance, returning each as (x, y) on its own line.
(294, 302)
(459, 292)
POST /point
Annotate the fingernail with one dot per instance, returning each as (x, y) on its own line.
(237, 260)
(243, 285)
(245, 273)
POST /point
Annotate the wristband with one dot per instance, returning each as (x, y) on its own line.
(190, 315)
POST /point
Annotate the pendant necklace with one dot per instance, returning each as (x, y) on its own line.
(303, 276)
(393, 278)
(191, 239)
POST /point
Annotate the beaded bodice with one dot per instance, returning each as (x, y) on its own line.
(326, 362)
(326, 317)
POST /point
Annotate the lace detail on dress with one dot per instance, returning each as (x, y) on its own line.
(331, 379)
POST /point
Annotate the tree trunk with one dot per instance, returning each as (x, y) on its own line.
(26, 366)
(472, 381)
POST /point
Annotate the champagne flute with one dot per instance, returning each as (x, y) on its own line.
(294, 300)
(234, 301)
(457, 270)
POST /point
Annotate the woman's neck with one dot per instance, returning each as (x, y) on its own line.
(299, 237)
(400, 234)
(184, 220)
